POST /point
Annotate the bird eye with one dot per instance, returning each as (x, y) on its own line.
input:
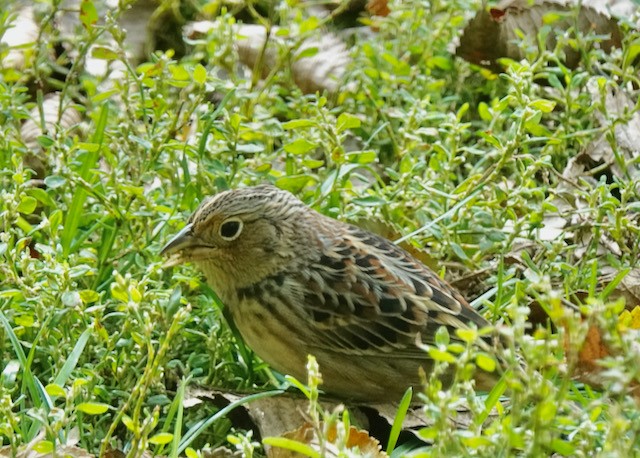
(230, 229)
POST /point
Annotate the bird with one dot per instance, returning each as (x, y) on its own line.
(296, 282)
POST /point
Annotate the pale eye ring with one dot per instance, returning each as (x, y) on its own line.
(230, 229)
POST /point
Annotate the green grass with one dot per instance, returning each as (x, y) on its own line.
(98, 340)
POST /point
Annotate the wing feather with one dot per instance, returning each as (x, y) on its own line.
(365, 295)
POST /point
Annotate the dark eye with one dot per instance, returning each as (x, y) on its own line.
(230, 229)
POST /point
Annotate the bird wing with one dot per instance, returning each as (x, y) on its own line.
(366, 295)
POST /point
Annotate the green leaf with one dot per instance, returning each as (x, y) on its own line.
(44, 447)
(292, 445)
(467, 335)
(88, 14)
(42, 196)
(309, 24)
(92, 408)
(55, 390)
(362, 157)
(546, 106)
(476, 441)
(128, 423)
(104, 53)
(398, 421)
(89, 295)
(485, 362)
(250, 148)
(119, 293)
(369, 201)
(299, 123)
(442, 356)
(457, 249)
(562, 447)
(347, 121)
(299, 146)
(293, 183)
(161, 438)
(179, 73)
(200, 74)
(27, 205)
(55, 181)
(307, 52)
(71, 299)
(483, 111)
(442, 336)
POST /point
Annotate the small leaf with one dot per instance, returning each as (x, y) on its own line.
(457, 249)
(128, 422)
(44, 447)
(200, 74)
(118, 292)
(369, 201)
(27, 205)
(161, 438)
(92, 408)
(483, 111)
(55, 390)
(89, 295)
(467, 335)
(347, 121)
(442, 336)
(71, 299)
(293, 183)
(298, 123)
(307, 52)
(55, 181)
(249, 148)
(299, 146)
(546, 106)
(485, 362)
(88, 14)
(439, 355)
(179, 73)
(104, 53)
(135, 295)
(362, 157)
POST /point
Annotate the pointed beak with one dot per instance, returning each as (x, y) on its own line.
(183, 239)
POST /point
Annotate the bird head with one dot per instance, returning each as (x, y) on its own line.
(241, 236)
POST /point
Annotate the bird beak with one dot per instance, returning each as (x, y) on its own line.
(183, 239)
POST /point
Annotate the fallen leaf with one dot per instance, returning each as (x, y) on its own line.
(495, 32)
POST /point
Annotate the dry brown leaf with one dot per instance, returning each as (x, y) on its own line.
(357, 439)
(629, 288)
(594, 348)
(626, 133)
(494, 33)
(378, 7)
(61, 450)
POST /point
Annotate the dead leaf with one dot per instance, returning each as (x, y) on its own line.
(495, 32)
(629, 288)
(306, 434)
(378, 7)
(27, 451)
